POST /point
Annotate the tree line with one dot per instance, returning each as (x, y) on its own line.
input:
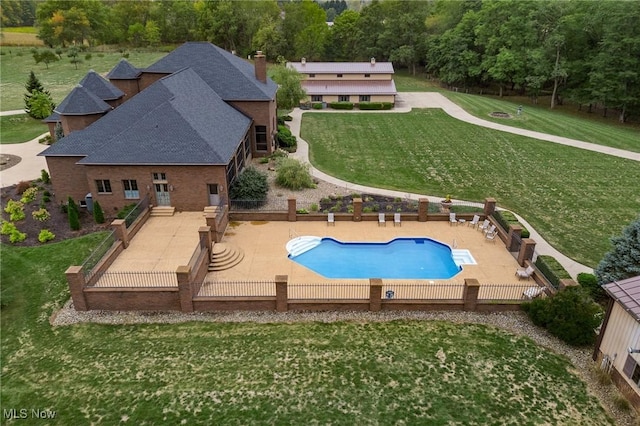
(588, 52)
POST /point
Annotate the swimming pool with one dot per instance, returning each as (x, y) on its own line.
(400, 258)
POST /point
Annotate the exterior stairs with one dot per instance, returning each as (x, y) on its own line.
(163, 211)
(210, 209)
(225, 256)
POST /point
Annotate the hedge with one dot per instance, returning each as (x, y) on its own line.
(341, 105)
(370, 105)
(552, 270)
(316, 105)
(506, 218)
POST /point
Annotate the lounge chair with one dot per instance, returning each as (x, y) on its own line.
(331, 219)
(381, 220)
(532, 292)
(491, 236)
(396, 219)
(491, 230)
(475, 221)
(452, 219)
(525, 272)
(484, 226)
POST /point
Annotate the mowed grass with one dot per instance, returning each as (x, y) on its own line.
(61, 76)
(576, 199)
(401, 372)
(20, 128)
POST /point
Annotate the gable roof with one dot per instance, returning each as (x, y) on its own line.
(342, 67)
(123, 71)
(627, 293)
(231, 77)
(177, 120)
(100, 87)
(81, 101)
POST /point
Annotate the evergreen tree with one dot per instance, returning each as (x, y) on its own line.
(73, 215)
(34, 87)
(623, 261)
(98, 214)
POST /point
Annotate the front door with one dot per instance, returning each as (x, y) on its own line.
(162, 194)
(214, 194)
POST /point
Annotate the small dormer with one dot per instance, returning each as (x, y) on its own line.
(102, 88)
(125, 77)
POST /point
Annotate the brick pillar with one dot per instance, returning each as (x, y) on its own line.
(205, 237)
(565, 283)
(184, 288)
(120, 228)
(470, 294)
(210, 219)
(291, 210)
(75, 278)
(423, 209)
(282, 298)
(515, 235)
(489, 206)
(375, 294)
(527, 248)
(357, 209)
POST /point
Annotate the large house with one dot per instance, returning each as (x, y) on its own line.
(618, 346)
(179, 131)
(347, 81)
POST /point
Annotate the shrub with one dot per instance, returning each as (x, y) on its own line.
(314, 207)
(590, 283)
(552, 270)
(45, 235)
(571, 315)
(302, 211)
(15, 210)
(41, 215)
(73, 215)
(22, 186)
(44, 176)
(17, 237)
(250, 185)
(285, 138)
(7, 228)
(45, 199)
(341, 105)
(387, 105)
(370, 105)
(317, 105)
(506, 218)
(29, 195)
(98, 214)
(292, 174)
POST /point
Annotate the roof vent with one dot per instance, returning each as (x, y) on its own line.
(303, 61)
(373, 61)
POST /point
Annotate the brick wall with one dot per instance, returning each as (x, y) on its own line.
(67, 178)
(148, 78)
(263, 114)
(129, 87)
(71, 123)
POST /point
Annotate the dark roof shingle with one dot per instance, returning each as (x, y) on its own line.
(100, 87)
(123, 71)
(81, 101)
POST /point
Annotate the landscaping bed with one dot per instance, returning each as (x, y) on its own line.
(370, 204)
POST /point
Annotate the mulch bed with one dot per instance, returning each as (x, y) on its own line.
(370, 204)
(58, 223)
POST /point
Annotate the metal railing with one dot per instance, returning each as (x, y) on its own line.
(422, 290)
(259, 205)
(329, 291)
(96, 255)
(237, 289)
(509, 291)
(136, 211)
(136, 279)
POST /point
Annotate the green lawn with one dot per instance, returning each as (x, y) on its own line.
(576, 199)
(20, 128)
(61, 76)
(401, 372)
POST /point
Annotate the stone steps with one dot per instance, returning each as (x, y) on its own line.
(225, 256)
(163, 211)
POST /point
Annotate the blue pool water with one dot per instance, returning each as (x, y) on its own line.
(401, 258)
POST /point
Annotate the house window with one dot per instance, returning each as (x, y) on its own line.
(159, 177)
(311, 75)
(104, 186)
(339, 75)
(261, 138)
(631, 369)
(316, 98)
(367, 75)
(365, 98)
(231, 172)
(240, 158)
(247, 145)
(344, 98)
(130, 189)
(635, 377)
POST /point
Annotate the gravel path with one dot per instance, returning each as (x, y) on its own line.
(513, 322)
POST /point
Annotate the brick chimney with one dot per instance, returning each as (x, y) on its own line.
(260, 63)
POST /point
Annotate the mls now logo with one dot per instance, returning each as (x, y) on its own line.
(23, 413)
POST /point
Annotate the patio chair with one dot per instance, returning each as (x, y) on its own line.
(491, 236)
(381, 220)
(475, 221)
(485, 225)
(331, 219)
(491, 230)
(396, 219)
(452, 219)
(532, 292)
(525, 272)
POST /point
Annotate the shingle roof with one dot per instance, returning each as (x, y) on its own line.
(53, 118)
(350, 87)
(100, 87)
(177, 120)
(123, 71)
(627, 293)
(81, 101)
(231, 77)
(342, 67)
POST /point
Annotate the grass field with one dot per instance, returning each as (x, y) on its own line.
(401, 372)
(60, 77)
(20, 36)
(576, 199)
(20, 128)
